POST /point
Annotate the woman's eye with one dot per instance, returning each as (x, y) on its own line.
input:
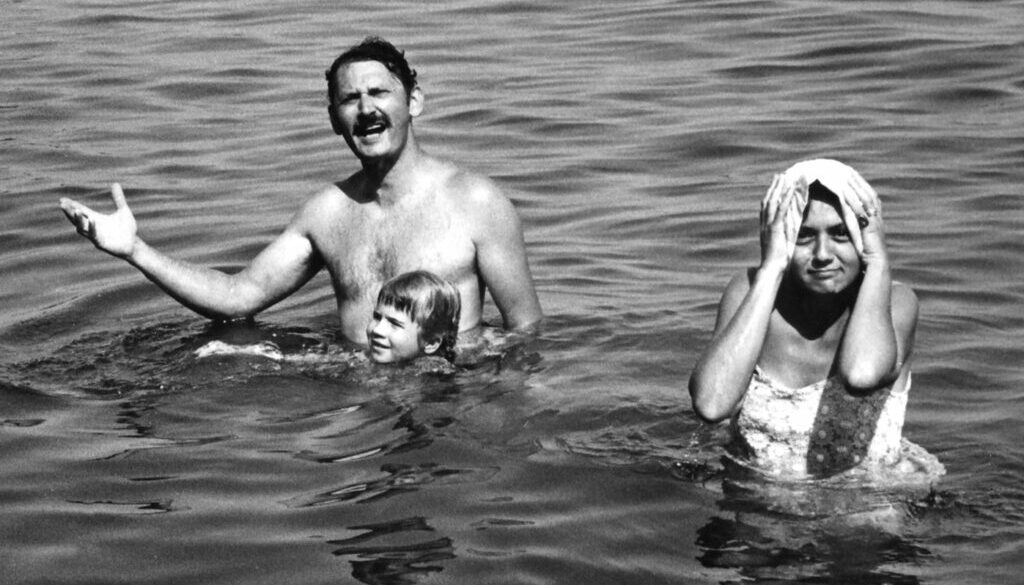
(841, 234)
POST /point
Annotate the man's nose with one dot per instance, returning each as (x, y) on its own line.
(365, 104)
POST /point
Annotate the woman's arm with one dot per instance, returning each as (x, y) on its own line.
(873, 351)
(720, 378)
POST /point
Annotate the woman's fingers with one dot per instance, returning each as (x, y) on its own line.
(866, 195)
(853, 227)
(793, 213)
(770, 203)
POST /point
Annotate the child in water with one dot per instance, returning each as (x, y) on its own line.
(810, 355)
(417, 314)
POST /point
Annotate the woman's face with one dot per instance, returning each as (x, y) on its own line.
(824, 260)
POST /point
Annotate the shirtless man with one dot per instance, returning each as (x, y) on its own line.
(404, 210)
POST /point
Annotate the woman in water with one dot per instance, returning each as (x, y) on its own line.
(810, 356)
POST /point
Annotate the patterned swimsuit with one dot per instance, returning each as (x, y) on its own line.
(819, 430)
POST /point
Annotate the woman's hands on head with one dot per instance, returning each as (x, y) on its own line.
(862, 214)
(781, 214)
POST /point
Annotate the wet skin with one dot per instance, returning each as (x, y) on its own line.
(393, 336)
(824, 258)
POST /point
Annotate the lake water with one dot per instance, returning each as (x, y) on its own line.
(636, 139)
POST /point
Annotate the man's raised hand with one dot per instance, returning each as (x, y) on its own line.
(113, 233)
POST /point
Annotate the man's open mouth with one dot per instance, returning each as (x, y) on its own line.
(370, 129)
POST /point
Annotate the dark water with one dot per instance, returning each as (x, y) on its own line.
(636, 140)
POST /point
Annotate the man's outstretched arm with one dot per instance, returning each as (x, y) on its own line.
(280, 269)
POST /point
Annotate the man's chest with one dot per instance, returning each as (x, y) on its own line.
(363, 254)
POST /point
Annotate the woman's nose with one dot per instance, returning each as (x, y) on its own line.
(822, 251)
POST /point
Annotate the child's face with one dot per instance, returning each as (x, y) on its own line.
(392, 336)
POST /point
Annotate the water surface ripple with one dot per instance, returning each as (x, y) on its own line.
(636, 140)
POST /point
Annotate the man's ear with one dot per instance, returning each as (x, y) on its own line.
(431, 347)
(335, 120)
(416, 101)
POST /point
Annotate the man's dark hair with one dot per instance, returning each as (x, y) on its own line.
(374, 49)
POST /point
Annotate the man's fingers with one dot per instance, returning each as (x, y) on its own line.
(118, 196)
(68, 212)
(74, 210)
(70, 207)
(84, 224)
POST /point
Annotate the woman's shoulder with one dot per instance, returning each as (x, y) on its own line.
(741, 281)
(904, 309)
(904, 300)
(903, 291)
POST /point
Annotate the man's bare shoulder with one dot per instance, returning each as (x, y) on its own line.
(489, 212)
(467, 187)
(330, 203)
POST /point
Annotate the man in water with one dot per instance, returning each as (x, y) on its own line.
(404, 210)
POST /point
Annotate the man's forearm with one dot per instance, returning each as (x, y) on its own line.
(211, 293)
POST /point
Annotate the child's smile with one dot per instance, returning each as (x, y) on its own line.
(392, 335)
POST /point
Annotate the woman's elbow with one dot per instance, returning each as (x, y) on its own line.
(866, 377)
(705, 406)
(709, 416)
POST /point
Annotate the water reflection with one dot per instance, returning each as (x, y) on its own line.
(384, 555)
(813, 532)
(770, 549)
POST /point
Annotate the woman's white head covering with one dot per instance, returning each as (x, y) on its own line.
(832, 174)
